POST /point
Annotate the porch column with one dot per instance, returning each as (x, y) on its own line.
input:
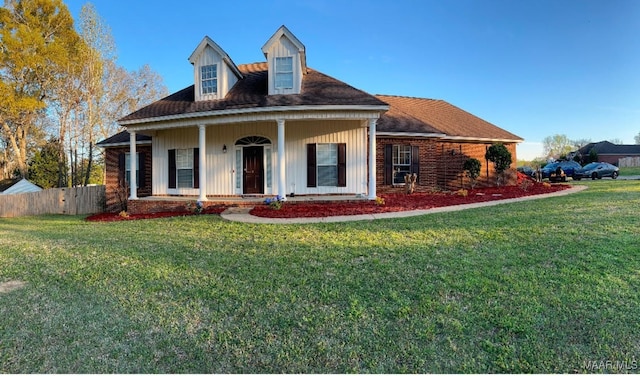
(133, 183)
(202, 161)
(282, 181)
(372, 159)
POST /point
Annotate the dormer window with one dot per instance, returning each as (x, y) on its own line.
(284, 72)
(209, 77)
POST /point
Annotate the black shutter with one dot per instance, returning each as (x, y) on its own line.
(388, 164)
(342, 165)
(172, 168)
(196, 167)
(311, 166)
(121, 170)
(415, 161)
(142, 175)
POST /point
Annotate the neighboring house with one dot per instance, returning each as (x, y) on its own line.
(280, 127)
(18, 185)
(607, 152)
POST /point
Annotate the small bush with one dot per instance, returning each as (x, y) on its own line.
(472, 168)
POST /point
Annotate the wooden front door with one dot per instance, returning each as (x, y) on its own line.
(253, 170)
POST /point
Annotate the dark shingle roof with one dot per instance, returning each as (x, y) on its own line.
(251, 92)
(409, 114)
(606, 147)
(122, 138)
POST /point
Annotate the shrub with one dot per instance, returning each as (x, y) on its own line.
(501, 158)
(472, 170)
(274, 203)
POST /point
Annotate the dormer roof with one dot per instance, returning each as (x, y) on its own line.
(284, 32)
(206, 41)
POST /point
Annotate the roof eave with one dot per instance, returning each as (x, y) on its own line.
(258, 110)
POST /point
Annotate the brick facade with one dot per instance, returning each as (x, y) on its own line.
(441, 164)
(117, 190)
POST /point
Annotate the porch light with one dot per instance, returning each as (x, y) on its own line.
(224, 148)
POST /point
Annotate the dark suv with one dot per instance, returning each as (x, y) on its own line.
(568, 168)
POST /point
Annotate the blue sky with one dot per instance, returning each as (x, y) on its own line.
(533, 67)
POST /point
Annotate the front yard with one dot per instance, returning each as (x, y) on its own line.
(538, 286)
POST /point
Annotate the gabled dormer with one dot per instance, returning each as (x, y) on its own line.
(287, 62)
(214, 72)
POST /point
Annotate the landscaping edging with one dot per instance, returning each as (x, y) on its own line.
(244, 216)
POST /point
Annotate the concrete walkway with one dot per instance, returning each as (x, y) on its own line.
(242, 214)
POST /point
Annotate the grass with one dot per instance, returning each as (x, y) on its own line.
(540, 286)
(624, 171)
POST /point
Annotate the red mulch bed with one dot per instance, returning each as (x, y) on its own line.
(113, 217)
(395, 202)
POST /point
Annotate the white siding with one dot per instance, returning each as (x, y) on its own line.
(221, 172)
(226, 77)
(284, 48)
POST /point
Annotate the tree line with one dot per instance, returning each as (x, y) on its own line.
(62, 91)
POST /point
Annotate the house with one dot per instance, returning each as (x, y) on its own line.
(280, 127)
(606, 151)
(18, 185)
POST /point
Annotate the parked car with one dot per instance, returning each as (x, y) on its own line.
(597, 170)
(568, 167)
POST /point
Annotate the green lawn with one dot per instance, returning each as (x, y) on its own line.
(539, 286)
(630, 171)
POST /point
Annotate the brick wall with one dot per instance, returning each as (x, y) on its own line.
(116, 192)
(441, 164)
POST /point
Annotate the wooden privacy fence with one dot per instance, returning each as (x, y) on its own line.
(72, 201)
(629, 162)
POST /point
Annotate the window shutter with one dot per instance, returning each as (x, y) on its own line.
(311, 165)
(342, 165)
(415, 161)
(172, 168)
(196, 167)
(388, 164)
(141, 167)
(121, 169)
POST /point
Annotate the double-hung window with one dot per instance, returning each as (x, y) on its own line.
(284, 72)
(327, 165)
(401, 162)
(127, 166)
(184, 168)
(209, 79)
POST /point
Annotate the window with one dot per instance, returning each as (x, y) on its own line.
(401, 162)
(184, 168)
(209, 79)
(127, 166)
(327, 165)
(327, 157)
(284, 72)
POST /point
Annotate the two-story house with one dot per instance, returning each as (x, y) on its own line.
(280, 127)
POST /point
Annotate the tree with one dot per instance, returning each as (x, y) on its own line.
(637, 138)
(37, 38)
(616, 141)
(557, 145)
(472, 168)
(43, 167)
(501, 158)
(581, 142)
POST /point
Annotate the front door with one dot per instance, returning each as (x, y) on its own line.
(253, 170)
